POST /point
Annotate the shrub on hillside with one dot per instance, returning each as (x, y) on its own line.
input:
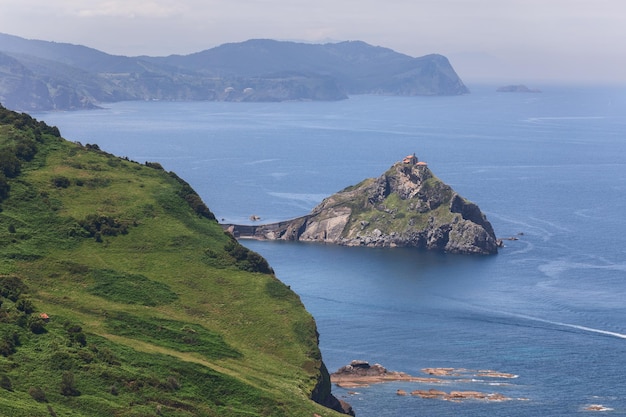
(61, 182)
(4, 187)
(154, 165)
(10, 166)
(76, 335)
(37, 394)
(25, 305)
(106, 355)
(247, 260)
(37, 324)
(101, 225)
(68, 385)
(24, 121)
(25, 149)
(192, 198)
(11, 287)
(196, 203)
(9, 340)
(5, 383)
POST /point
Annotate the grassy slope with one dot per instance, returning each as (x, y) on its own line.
(157, 320)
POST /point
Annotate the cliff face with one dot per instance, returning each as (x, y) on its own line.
(322, 394)
(407, 206)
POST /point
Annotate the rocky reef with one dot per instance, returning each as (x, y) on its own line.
(407, 206)
(361, 374)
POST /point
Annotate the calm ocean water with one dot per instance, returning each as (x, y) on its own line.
(549, 169)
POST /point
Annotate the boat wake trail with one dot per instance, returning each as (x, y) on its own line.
(569, 325)
(527, 318)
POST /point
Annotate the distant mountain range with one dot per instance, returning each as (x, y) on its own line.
(39, 75)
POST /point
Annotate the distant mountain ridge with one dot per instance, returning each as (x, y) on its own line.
(38, 75)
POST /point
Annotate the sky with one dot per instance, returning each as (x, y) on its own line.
(513, 41)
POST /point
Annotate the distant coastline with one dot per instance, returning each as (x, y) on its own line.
(257, 70)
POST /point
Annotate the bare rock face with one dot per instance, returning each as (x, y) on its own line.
(407, 206)
(322, 395)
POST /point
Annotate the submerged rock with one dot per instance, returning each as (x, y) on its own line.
(407, 206)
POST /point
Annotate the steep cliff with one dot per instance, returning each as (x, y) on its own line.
(121, 295)
(407, 206)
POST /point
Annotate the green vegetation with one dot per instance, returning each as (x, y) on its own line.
(392, 213)
(130, 288)
(121, 295)
(178, 335)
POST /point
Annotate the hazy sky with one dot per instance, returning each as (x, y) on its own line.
(521, 41)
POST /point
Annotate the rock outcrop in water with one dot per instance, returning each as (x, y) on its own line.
(361, 374)
(517, 89)
(407, 206)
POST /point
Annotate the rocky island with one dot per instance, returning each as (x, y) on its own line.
(407, 206)
(520, 88)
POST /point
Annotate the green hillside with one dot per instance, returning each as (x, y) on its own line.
(121, 295)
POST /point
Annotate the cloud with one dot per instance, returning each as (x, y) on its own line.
(128, 9)
(68, 9)
(551, 38)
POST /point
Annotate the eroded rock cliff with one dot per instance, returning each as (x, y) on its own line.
(407, 206)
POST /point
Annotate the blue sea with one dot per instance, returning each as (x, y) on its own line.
(548, 169)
